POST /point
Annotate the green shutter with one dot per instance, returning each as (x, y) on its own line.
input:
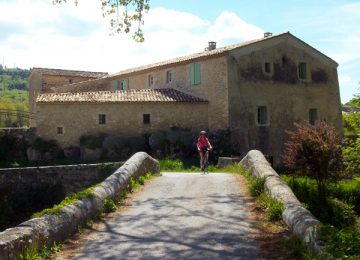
(262, 115)
(195, 74)
(312, 116)
(116, 84)
(302, 70)
(125, 84)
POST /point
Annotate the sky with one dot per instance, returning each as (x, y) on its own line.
(36, 33)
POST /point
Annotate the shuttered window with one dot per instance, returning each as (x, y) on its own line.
(168, 76)
(312, 116)
(302, 70)
(125, 84)
(195, 74)
(150, 80)
(146, 119)
(262, 117)
(116, 85)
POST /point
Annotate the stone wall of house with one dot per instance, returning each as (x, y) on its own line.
(83, 118)
(288, 99)
(40, 83)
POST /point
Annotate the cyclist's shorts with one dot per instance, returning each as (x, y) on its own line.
(205, 149)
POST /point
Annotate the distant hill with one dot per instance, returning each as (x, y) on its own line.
(14, 97)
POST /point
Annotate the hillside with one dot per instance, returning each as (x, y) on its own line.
(14, 96)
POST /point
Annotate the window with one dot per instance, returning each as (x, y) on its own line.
(267, 68)
(302, 70)
(146, 119)
(151, 80)
(195, 74)
(60, 130)
(262, 115)
(70, 81)
(168, 76)
(312, 116)
(116, 84)
(102, 119)
(124, 84)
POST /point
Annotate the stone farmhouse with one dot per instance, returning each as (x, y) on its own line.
(257, 89)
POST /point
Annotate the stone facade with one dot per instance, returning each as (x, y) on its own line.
(43, 80)
(257, 89)
(78, 119)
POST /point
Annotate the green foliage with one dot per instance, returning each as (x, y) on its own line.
(257, 187)
(274, 208)
(43, 146)
(109, 206)
(56, 247)
(124, 145)
(12, 147)
(315, 151)
(351, 152)
(338, 211)
(88, 223)
(168, 164)
(106, 169)
(297, 248)
(29, 252)
(45, 253)
(141, 180)
(341, 243)
(92, 141)
(355, 101)
(14, 96)
(69, 200)
(343, 215)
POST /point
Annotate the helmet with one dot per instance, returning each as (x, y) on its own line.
(203, 132)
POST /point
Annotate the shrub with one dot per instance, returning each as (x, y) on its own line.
(92, 141)
(158, 141)
(41, 145)
(342, 214)
(351, 151)
(315, 151)
(141, 180)
(222, 142)
(12, 147)
(257, 187)
(109, 206)
(168, 164)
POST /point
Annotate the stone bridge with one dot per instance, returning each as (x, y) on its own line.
(178, 215)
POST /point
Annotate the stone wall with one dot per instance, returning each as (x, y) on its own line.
(287, 97)
(24, 191)
(121, 118)
(300, 221)
(49, 228)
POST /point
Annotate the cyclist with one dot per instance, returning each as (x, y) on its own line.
(203, 146)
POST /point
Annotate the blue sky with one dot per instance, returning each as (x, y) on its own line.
(34, 33)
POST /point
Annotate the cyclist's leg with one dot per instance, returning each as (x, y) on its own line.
(201, 159)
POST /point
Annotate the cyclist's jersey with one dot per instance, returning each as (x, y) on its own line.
(202, 142)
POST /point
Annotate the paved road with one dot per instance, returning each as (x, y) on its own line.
(180, 216)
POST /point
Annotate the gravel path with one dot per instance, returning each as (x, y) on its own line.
(180, 216)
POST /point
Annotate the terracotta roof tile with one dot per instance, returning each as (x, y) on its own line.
(73, 73)
(142, 95)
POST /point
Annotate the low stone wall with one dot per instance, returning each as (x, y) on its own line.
(49, 228)
(302, 223)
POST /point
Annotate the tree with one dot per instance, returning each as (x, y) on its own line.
(126, 13)
(314, 150)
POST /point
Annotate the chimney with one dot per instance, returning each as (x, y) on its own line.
(211, 46)
(267, 34)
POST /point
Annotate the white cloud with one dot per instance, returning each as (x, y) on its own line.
(38, 34)
(344, 79)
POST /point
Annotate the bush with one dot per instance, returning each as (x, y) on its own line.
(256, 187)
(158, 141)
(342, 214)
(121, 146)
(12, 147)
(316, 152)
(351, 151)
(109, 206)
(171, 165)
(222, 142)
(92, 141)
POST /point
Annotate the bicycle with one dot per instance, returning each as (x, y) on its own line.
(205, 162)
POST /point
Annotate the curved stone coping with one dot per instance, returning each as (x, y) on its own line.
(302, 223)
(49, 228)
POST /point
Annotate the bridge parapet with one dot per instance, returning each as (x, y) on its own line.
(49, 228)
(302, 223)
